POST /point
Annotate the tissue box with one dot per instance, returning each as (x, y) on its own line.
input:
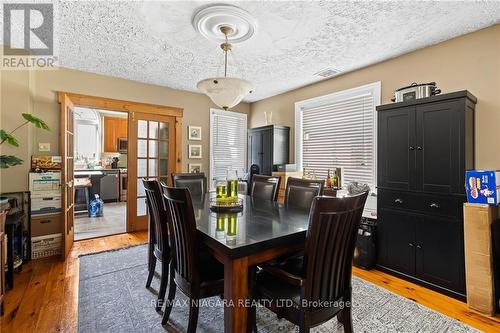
(482, 186)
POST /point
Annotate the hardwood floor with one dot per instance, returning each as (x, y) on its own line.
(45, 296)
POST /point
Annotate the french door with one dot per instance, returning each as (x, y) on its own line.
(67, 174)
(152, 151)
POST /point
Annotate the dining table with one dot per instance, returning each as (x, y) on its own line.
(263, 230)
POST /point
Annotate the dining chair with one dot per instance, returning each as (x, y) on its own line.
(194, 271)
(318, 284)
(265, 187)
(158, 246)
(299, 193)
(195, 182)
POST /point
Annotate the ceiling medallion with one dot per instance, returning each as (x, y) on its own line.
(208, 21)
(226, 92)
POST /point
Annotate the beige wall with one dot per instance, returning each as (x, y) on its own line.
(469, 62)
(35, 91)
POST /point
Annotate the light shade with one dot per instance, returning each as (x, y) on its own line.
(226, 92)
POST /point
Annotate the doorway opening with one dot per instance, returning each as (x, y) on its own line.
(152, 142)
(100, 171)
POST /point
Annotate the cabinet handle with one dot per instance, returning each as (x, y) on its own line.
(419, 247)
(419, 148)
(412, 148)
(398, 201)
(434, 205)
(411, 244)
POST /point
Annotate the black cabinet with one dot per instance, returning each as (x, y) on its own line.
(268, 146)
(424, 148)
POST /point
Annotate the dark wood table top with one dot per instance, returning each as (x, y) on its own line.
(260, 226)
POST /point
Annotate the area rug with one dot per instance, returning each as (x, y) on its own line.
(113, 298)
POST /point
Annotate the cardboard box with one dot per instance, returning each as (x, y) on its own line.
(47, 181)
(478, 248)
(46, 204)
(46, 246)
(482, 186)
(43, 225)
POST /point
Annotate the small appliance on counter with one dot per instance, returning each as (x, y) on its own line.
(415, 91)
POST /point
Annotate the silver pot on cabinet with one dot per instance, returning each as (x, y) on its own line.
(415, 91)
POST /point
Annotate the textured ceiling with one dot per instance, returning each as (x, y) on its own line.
(154, 42)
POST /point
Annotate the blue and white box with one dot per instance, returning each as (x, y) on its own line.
(482, 186)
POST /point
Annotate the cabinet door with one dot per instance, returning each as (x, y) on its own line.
(440, 166)
(440, 252)
(110, 134)
(255, 150)
(396, 149)
(267, 152)
(395, 240)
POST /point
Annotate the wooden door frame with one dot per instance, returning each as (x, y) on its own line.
(103, 103)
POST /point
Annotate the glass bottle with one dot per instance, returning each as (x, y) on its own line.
(335, 182)
(304, 175)
(328, 180)
(220, 188)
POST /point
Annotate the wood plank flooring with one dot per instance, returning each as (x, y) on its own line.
(45, 296)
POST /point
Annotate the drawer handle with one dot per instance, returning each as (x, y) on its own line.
(44, 221)
(398, 201)
(411, 244)
(412, 148)
(419, 148)
(434, 205)
(419, 247)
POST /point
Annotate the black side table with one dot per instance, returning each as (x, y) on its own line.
(13, 227)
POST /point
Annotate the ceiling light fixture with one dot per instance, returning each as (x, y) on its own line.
(225, 91)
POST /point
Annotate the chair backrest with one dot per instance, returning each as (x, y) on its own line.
(300, 193)
(265, 187)
(182, 232)
(158, 219)
(195, 182)
(329, 249)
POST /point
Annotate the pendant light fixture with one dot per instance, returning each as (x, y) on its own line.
(226, 92)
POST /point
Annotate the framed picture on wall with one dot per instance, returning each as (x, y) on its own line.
(194, 133)
(194, 167)
(194, 151)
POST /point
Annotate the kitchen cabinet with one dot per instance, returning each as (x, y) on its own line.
(268, 146)
(424, 148)
(114, 129)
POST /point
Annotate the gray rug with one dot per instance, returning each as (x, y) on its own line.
(113, 298)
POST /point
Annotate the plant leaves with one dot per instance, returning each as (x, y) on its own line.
(36, 121)
(10, 139)
(7, 161)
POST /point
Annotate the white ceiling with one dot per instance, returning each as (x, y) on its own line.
(154, 42)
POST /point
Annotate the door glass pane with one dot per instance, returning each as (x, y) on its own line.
(163, 167)
(163, 131)
(140, 188)
(153, 130)
(142, 168)
(163, 149)
(142, 129)
(142, 148)
(141, 206)
(153, 148)
(152, 172)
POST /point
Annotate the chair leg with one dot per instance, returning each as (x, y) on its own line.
(151, 268)
(345, 318)
(303, 329)
(170, 299)
(163, 285)
(193, 316)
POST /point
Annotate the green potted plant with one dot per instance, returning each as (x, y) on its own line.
(7, 161)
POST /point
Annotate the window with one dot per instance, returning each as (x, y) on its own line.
(339, 130)
(228, 143)
(87, 135)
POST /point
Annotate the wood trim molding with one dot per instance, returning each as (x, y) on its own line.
(120, 105)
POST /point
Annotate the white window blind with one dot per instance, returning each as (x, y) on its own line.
(228, 143)
(338, 130)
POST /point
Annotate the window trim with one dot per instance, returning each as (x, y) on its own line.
(373, 88)
(214, 112)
